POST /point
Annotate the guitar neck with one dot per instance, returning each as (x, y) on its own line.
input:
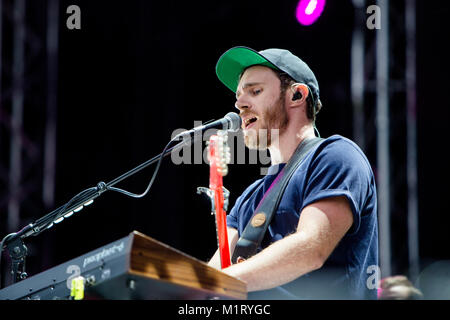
(216, 185)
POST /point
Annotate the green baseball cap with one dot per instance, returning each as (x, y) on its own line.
(233, 62)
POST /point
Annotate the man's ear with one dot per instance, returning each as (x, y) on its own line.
(299, 93)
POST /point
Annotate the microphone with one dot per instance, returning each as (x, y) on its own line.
(231, 122)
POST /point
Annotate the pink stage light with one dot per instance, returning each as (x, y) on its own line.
(308, 11)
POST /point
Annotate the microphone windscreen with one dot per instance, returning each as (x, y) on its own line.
(234, 121)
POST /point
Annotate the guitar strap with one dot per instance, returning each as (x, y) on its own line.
(253, 233)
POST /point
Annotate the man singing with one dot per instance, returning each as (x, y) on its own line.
(322, 239)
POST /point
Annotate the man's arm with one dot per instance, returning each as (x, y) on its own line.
(232, 240)
(321, 226)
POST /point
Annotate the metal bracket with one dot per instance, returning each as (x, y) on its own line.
(210, 194)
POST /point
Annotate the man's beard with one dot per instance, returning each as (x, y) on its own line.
(274, 121)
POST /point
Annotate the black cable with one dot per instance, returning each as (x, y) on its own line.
(134, 195)
(44, 222)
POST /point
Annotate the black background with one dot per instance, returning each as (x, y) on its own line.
(138, 70)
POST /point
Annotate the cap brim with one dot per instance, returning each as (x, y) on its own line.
(231, 64)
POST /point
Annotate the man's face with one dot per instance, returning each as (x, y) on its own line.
(261, 106)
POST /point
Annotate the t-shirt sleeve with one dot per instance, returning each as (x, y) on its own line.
(340, 169)
(232, 219)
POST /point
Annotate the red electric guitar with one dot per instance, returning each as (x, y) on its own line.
(219, 157)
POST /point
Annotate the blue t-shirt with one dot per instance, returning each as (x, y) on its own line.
(335, 167)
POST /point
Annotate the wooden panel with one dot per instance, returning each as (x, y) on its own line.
(156, 260)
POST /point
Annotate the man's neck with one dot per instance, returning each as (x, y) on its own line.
(281, 152)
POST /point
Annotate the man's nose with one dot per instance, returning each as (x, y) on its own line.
(241, 105)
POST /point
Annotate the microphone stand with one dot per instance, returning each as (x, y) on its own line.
(14, 241)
